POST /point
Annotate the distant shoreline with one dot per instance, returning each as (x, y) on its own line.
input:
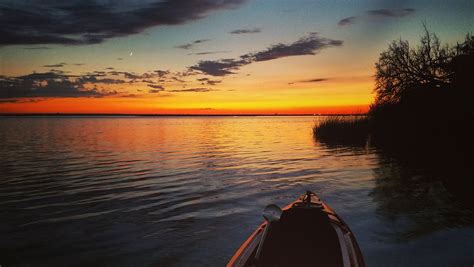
(163, 115)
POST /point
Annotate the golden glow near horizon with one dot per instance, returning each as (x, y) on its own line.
(339, 95)
(245, 57)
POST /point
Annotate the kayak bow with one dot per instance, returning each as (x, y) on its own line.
(305, 233)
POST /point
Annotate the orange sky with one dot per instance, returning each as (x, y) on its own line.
(116, 106)
(341, 97)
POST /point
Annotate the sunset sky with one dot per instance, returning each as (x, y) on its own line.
(205, 56)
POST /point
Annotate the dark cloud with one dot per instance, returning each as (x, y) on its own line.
(156, 88)
(199, 89)
(207, 81)
(347, 21)
(147, 77)
(110, 81)
(9, 100)
(308, 45)
(93, 79)
(201, 41)
(46, 85)
(119, 58)
(212, 82)
(174, 78)
(25, 100)
(130, 75)
(97, 73)
(37, 48)
(115, 73)
(381, 13)
(316, 80)
(396, 13)
(57, 71)
(221, 67)
(79, 22)
(191, 45)
(58, 83)
(162, 73)
(129, 95)
(78, 64)
(59, 65)
(209, 53)
(244, 31)
(185, 46)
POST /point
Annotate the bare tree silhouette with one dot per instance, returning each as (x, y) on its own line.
(402, 68)
(431, 79)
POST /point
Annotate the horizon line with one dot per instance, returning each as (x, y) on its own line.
(174, 114)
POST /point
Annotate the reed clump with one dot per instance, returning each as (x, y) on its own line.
(343, 130)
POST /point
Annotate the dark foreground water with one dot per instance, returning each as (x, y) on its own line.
(187, 191)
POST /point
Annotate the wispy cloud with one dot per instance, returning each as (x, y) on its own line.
(78, 22)
(308, 45)
(209, 53)
(393, 13)
(192, 44)
(207, 81)
(316, 80)
(245, 31)
(347, 21)
(199, 89)
(59, 65)
(379, 13)
(156, 88)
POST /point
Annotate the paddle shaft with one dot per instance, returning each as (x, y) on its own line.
(260, 246)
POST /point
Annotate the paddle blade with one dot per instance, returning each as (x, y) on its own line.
(272, 213)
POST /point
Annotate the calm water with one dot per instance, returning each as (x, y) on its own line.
(187, 191)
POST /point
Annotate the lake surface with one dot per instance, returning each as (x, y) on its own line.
(187, 191)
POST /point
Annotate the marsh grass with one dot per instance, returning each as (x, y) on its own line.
(343, 130)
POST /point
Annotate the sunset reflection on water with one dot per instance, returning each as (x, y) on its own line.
(189, 191)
